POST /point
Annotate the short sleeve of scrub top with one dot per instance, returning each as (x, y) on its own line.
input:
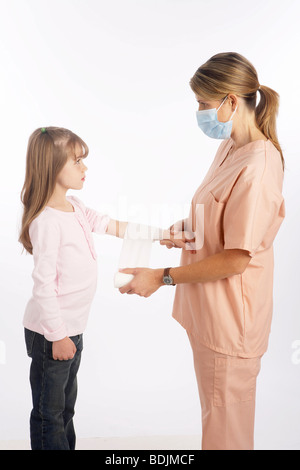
(253, 212)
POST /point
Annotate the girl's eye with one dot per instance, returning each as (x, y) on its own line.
(78, 161)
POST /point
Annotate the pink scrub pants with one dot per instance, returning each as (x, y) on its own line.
(227, 386)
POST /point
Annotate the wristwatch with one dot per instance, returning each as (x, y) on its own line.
(167, 279)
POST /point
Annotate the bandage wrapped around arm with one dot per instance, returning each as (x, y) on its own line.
(136, 250)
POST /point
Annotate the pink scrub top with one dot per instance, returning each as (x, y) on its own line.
(243, 209)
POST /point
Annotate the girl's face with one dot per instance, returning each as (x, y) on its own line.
(72, 176)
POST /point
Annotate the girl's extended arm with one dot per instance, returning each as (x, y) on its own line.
(178, 239)
(116, 228)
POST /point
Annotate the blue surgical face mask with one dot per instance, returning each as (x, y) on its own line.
(211, 126)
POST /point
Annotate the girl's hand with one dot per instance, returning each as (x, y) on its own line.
(63, 349)
(146, 281)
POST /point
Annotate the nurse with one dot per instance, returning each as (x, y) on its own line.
(224, 285)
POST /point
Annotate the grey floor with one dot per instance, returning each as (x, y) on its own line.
(123, 443)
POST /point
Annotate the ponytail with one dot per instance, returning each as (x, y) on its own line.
(266, 113)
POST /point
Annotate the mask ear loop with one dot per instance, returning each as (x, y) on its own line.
(233, 111)
(222, 102)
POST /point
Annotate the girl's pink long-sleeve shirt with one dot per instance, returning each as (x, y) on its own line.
(65, 270)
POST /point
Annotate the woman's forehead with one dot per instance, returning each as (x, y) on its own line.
(200, 97)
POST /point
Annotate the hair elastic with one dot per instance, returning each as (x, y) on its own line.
(43, 130)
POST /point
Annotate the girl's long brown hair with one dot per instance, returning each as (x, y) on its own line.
(230, 72)
(47, 152)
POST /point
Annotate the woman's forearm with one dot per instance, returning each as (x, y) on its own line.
(219, 266)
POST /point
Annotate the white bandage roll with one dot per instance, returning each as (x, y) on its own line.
(136, 250)
(121, 279)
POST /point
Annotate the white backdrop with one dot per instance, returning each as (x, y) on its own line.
(117, 73)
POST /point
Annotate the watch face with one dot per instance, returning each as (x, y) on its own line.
(168, 280)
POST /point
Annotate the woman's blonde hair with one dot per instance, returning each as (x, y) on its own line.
(47, 152)
(230, 72)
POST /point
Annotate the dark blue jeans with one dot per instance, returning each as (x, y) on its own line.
(54, 392)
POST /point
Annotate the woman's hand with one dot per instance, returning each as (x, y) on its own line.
(146, 281)
(63, 349)
(177, 237)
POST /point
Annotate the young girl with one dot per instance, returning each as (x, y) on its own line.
(57, 231)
